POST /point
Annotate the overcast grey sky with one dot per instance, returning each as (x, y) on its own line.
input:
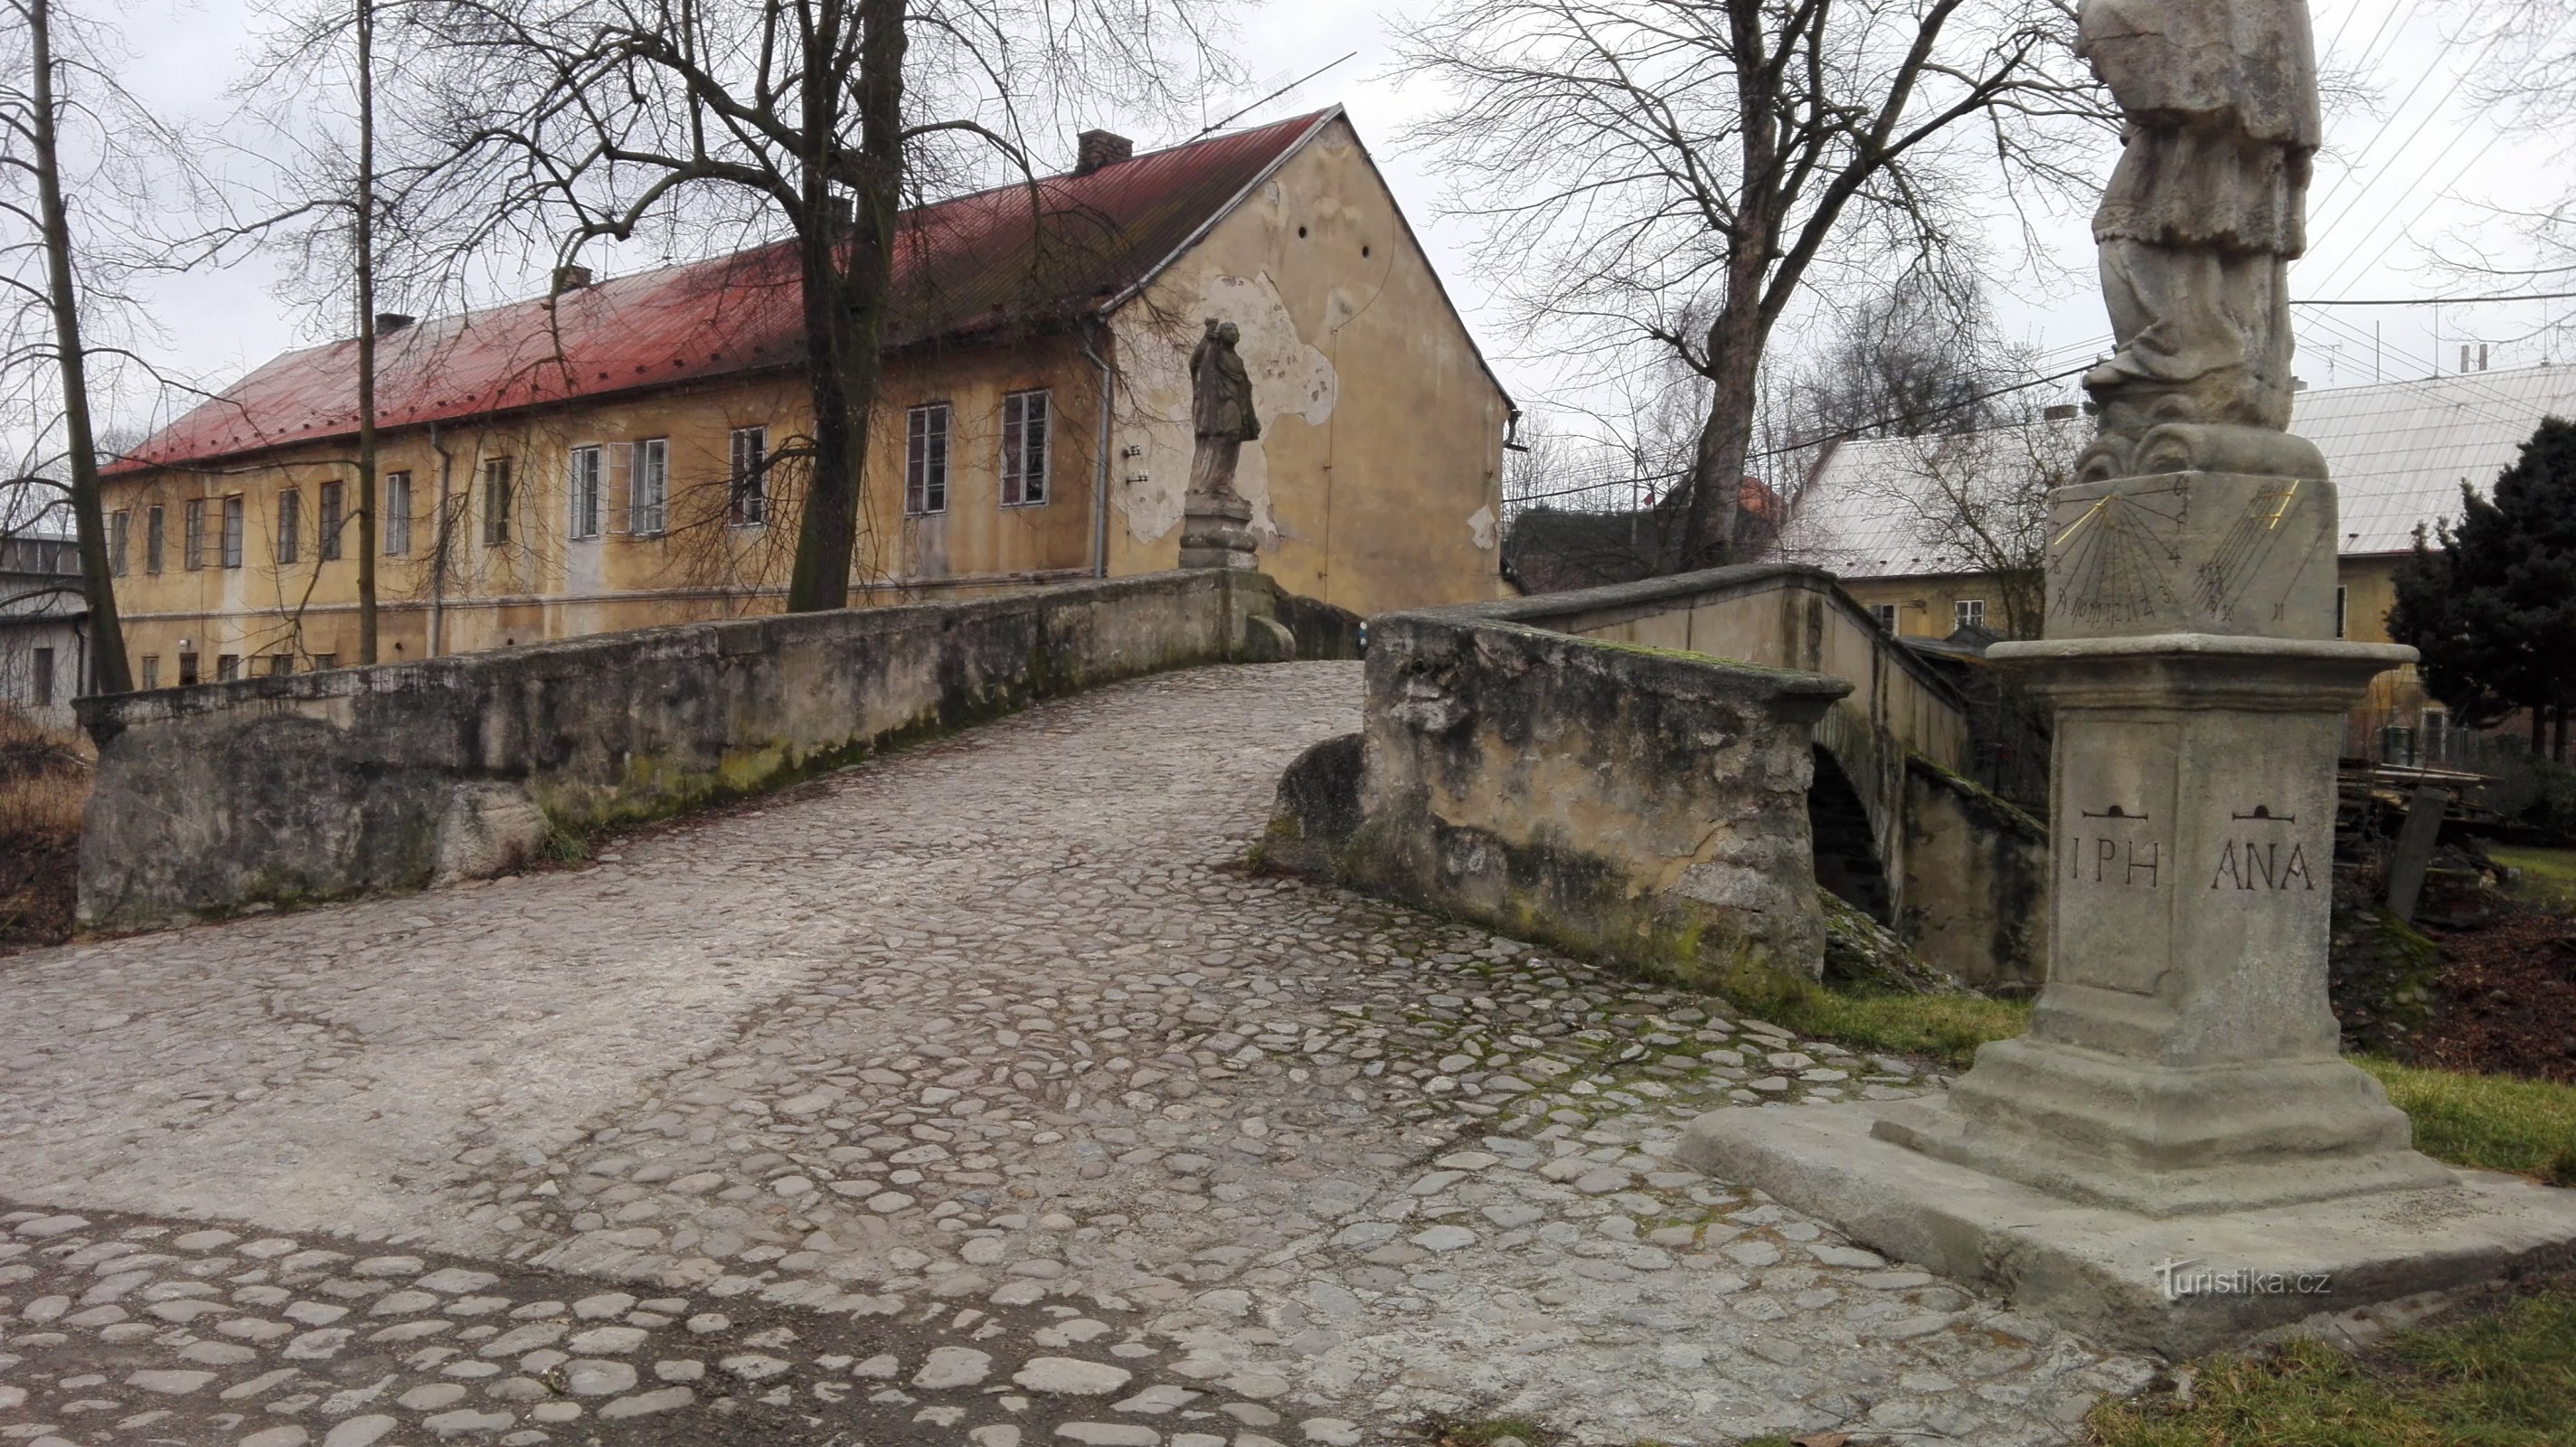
(2401, 180)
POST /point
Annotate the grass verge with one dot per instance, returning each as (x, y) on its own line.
(2548, 876)
(2491, 1122)
(2505, 1378)
(1948, 1028)
(2485, 1122)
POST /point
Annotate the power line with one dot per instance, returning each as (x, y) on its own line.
(2437, 300)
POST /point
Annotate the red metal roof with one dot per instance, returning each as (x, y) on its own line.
(975, 264)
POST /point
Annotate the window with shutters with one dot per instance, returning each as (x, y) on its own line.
(335, 509)
(496, 501)
(397, 514)
(1024, 448)
(290, 524)
(582, 483)
(925, 459)
(747, 488)
(648, 487)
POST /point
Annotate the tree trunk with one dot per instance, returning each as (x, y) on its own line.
(364, 511)
(107, 670)
(848, 278)
(1717, 469)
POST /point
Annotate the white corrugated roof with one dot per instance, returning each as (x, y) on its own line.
(2398, 451)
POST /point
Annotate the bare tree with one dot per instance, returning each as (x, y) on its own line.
(71, 136)
(815, 119)
(1915, 358)
(1671, 173)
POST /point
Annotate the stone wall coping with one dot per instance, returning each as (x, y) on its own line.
(571, 656)
(1671, 668)
(2202, 645)
(1649, 596)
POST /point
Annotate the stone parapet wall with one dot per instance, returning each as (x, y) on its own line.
(1638, 803)
(279, 791)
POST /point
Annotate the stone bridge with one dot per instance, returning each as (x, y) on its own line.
(974, 1094)
(1787, 616)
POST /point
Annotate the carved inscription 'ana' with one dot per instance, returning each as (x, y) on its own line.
(2261, 865)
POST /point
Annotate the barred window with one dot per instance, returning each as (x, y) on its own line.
(290, 524)
(334, 513)
(925, 459)
(747, 497)
(581, 484)
(648, 487)
(397, 514)
(1024, 448)
(496, 501)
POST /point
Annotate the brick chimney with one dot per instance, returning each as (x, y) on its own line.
(1095, 149)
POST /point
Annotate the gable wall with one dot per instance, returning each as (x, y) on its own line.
(1377, 480)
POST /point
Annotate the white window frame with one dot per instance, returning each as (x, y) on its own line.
(648, 487)
(397, 514)
(747, 477)
(1967, 611)
(585, 477)
(929, 436)
(1028, 442)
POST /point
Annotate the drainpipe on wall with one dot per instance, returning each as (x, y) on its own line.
(1100, 447)
(438, 559)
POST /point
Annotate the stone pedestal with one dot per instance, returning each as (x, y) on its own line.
(2183, 1056)
(1216, 532)
(2181, 1082)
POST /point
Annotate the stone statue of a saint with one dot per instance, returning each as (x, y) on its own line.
(2196, 231)
(1220, 409)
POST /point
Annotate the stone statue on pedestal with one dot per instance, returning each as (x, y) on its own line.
(1215, 519)
(2180, 1100)
(2196, 231)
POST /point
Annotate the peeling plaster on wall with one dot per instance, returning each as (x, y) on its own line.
(1291, 383)
(1480, 526)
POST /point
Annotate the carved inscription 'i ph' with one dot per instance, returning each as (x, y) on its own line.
(2127, 863)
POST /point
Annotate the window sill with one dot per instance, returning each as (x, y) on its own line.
(1035, 502)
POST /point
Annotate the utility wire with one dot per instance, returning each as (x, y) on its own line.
(1274, 95)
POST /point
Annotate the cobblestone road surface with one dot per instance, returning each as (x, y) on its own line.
(975, 1095)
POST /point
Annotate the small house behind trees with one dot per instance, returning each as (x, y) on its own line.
(624, 451)
(1893, 526)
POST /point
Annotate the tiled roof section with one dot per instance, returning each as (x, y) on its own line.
(2398, 451)
(978, 263)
